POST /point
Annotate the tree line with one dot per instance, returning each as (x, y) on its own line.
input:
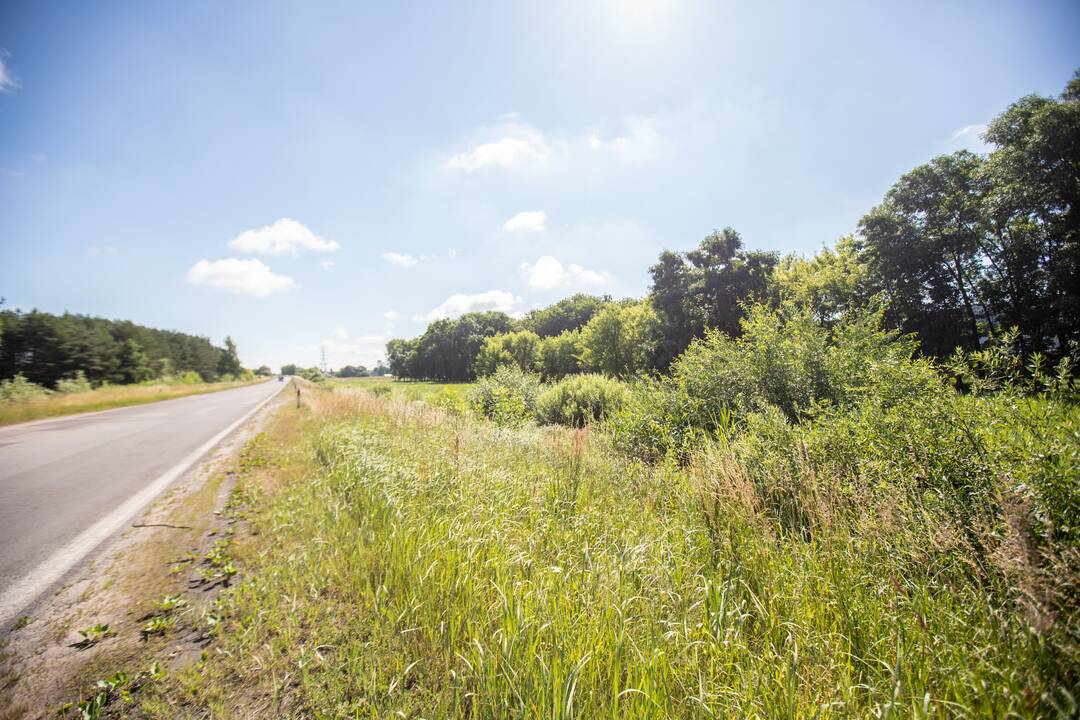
(45, 348)
(960, 251)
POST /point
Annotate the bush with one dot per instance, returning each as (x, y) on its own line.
(78, 383)
(786, 361)
(507, 396)
(19, 389)
(580, 400)
(381, 390)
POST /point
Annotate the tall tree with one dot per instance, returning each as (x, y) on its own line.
(707, 287)
(922, 245)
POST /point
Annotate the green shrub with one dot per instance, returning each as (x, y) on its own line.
(579, 400)
(381, 390)
(19, 389)
(75, 384)
(507, 396)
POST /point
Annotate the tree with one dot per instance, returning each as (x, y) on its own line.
(352, 371)
(229, 362)
(706, 288)
(448, 348)
(621, 339)
(831, 284)
(1033, 179)
(134, 365)
(567, 314)
(264, 371)
(289, 369)
(560, 355)
(514, 348)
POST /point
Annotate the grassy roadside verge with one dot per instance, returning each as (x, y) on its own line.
(404, 560)
(104, 399)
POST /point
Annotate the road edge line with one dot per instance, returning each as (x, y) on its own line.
(28, 588)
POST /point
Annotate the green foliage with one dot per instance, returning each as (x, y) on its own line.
(513, 348)
(448, 348)
(507, 396)
(77, 383)
(706, 288)
(352, 371)
(264, 371)
(831, 284)
(19, 389)
(567, 314)
(289, 369)
(46, 348)
(579, 400)
(229, 361)
(312, 374)
(784, 360)
(559, 355)
(620, 340)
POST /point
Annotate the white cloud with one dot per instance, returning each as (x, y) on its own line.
(548, 273)
(240, 277)
(400, 259)
(517, 145)
(528, 221)
(284, 236)
(7, 81)
(453, 253)
(340, 333)
(970, 137)
(460, 303)
(327, 264)
(641, 141)
(390, 316)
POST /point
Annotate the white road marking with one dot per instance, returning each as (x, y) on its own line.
(205, 410)
(26, 589)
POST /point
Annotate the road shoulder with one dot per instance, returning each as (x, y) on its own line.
(162, 555)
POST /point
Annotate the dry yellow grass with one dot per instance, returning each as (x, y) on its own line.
(104, 399)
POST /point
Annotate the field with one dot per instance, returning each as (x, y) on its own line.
(104, 398)
(408, 560)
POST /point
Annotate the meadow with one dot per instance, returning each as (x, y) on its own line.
(417, 559)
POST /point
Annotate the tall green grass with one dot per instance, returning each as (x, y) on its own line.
(433, 565)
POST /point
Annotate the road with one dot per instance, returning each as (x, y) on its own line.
(68, 484)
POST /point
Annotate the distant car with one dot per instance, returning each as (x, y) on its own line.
(281, 378)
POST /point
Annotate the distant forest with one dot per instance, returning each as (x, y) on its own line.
(46, 348)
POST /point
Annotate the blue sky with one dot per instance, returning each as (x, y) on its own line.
(307, 175)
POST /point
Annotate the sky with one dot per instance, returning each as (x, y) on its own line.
(310, 176)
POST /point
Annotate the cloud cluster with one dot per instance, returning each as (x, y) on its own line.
(284, 236)
(461, 303)
(240, 277)
(547, 273)
(253, 277)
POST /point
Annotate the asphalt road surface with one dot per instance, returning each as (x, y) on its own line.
(68, 484)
